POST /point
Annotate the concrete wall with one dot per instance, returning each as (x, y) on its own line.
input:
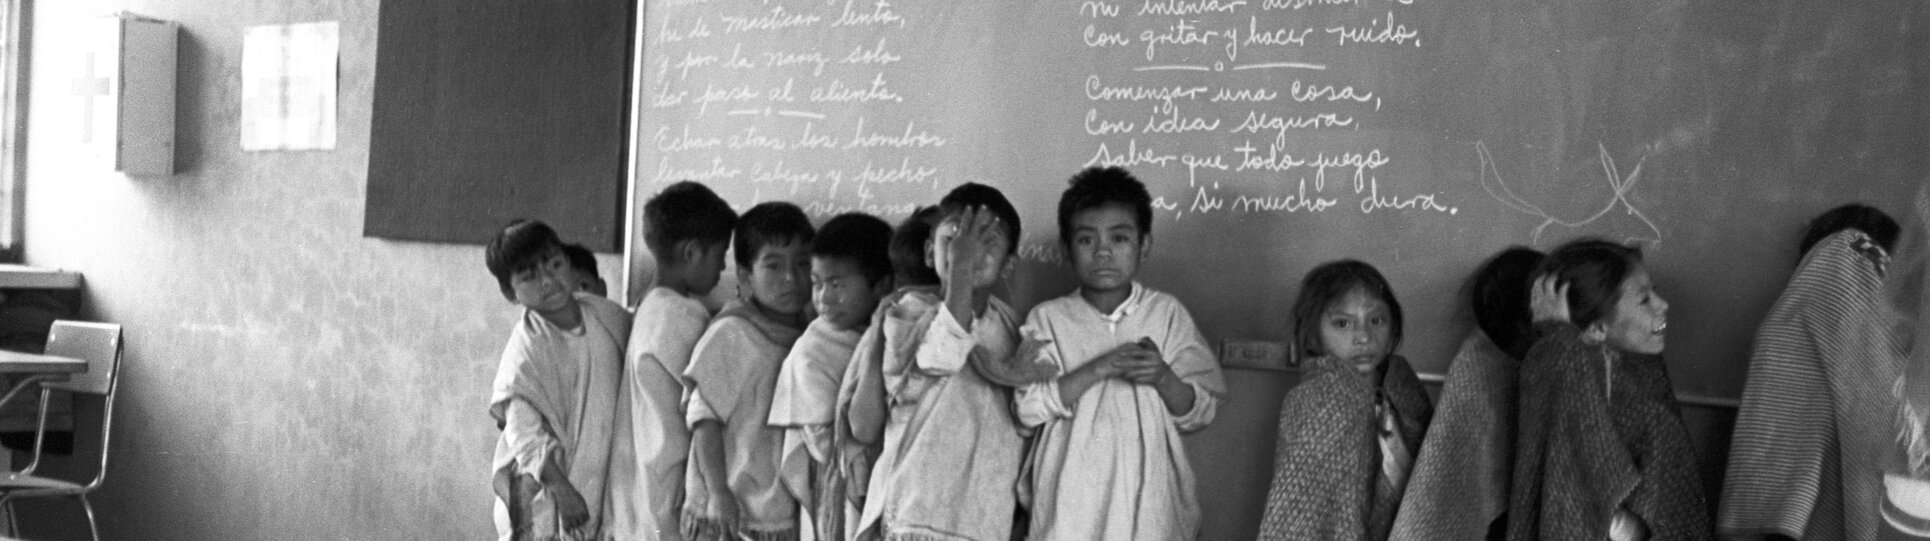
(285, 377)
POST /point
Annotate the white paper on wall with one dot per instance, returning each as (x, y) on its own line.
(288, 86)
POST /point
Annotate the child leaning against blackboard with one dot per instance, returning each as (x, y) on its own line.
(1350, 429)
(1134, 373)
(555, 394)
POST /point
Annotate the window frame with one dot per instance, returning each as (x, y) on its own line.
(16, 37)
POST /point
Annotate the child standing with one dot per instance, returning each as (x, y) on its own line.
(732, 484)
(951, 449)
(555, 394)
(859, 420)
(1350, 429)
(850, 271)
(1134, 373)
(687, 228)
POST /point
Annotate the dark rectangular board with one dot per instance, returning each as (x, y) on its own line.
(489, 110)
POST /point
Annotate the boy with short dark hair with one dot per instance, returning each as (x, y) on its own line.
(1134, 372)
(687, 228)
(732, 483)
(555, 393)
(583, 273)
(850, 271)
(951, 451)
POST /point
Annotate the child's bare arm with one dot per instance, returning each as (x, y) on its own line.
(707, 457)
(570, 506)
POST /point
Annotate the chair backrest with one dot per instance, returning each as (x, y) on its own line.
(97, 343)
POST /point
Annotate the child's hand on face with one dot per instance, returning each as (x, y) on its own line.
(1550, 299)
(966, 251)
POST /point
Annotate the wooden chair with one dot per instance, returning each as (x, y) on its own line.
(100, 345)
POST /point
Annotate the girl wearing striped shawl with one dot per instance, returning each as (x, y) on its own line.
(1803, 461)
(1601, 452)
(1350, 429)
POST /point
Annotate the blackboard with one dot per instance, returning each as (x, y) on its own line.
(1418, 135)
(489, 110)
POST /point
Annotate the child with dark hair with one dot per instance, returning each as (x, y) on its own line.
(1459, 488)
(1601, 452)
(908, 248)
(1131, 373)
(583, 273)
(859, 420)
(850, 271)
(732, 485)
(1350, 429)
(1879, 227)
(555, 394)
(1805, 458)
(950, 452)
(687, 229)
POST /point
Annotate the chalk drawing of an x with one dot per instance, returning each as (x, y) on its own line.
(1492, 183)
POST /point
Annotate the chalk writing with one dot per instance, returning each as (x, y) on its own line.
(912, 137)
(1097, 91)
(1169, 120)
(759, 109)
(1097, 126)
(1282, 36)
(1373, 201)
(876, 55)
(698, 29)
(1187, 32)
(1376, 31)
(714, 95)
(1188, 7)
(682, 141)
(1296, 202)
(880, 14)
(776, 19)
(784, 59)
(1095, 38)
(692, 60)
(1256, 121)
(1301, 4)
(1097, 9)
(713, 171)
(839, 91)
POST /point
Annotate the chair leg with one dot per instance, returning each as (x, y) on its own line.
(13, 523)
(92, 528)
